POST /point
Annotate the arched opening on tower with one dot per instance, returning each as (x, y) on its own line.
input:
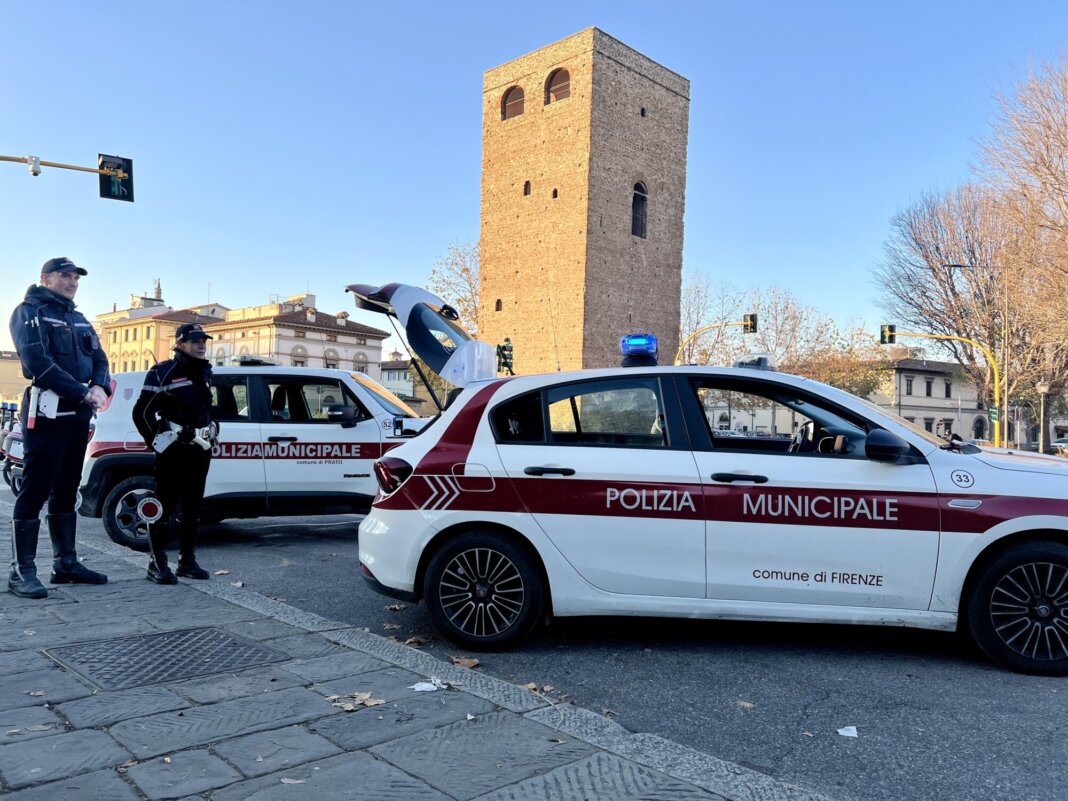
(512, 103)
(639, 210)
(558, 86)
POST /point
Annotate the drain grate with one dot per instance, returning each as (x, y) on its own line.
(158, 658)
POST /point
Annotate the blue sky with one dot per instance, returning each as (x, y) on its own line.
(281, 147)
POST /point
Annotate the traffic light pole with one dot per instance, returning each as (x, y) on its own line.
(749, 325)
(33, 161)
(991, 363)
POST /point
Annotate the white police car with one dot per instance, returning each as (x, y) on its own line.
(605, 492)
(292, 441)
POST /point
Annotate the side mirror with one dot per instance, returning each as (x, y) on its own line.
(339, 413)
(882, 446)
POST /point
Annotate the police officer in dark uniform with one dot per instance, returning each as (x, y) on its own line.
(61, 353)
(173, 414)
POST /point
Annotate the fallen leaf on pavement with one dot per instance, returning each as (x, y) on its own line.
(237, 584)
(29, 632)
(416, 639)
(808, 734)
(548, 688)
(608, 713)
(465, 661)
(530, 685)
(747, 705)
(396, 607)
(222, 572)
(470, 716)
(391, 626)
(848, 731)
(556, 740)
(40, 727)
(35, 693)
(332, 698)
(259, 759)
(292, 781)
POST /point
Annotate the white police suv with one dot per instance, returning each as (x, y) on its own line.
(609, 492)
(292, 440)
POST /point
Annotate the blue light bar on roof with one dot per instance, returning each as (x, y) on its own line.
(638, 345)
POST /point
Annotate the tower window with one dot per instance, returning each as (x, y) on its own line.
(526, 188)
(512, 103)
(498, 306)
(558, 86)
(556, 194)
(638, 210)
(643, 111)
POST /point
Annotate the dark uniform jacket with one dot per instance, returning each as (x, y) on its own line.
(59, 349)
(175, 391)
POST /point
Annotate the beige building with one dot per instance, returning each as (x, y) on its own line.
(583, 193)
(12, 384)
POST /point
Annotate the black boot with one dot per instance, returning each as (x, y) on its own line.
(187, 543)
(23, 580)
(66, 569)
(158, 570)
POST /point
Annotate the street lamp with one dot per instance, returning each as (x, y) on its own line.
(1043, 390)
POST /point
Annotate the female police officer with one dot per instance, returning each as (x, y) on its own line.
(61, 353)
(173, 414)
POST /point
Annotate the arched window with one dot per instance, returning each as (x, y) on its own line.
(979, 428)
(498, 306)
(526, 188)
(638, 210)
(359, 362)
(512, 103)
(558, 86)
(556, 194)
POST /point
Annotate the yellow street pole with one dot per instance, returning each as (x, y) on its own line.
(990, 362)
(690, 338)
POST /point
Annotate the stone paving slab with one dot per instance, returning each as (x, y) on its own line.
(101, 785)
(263, 628)
(28, 723)
(388, 684)
(94, 611)
(58, 757)
(117, 591)
(473, 757)
(64, 634)
(28, 616)
(184, 773)
(271, 751)
(55, 685)
(174, 731)
(601, 777)
(225, 687)
(104, 709)
(379, 724)
(333, 666)
(204, 617)
(347, 777)
(22, 661)
(303, 646)
(55, 597)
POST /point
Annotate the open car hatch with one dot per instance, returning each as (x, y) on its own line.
(432, 330)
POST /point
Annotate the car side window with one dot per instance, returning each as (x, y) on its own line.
(621, 413)
(307, 400)
(773, 420)
(519, 420)
(230, 399)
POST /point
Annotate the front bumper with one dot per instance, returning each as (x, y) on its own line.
(382, 589)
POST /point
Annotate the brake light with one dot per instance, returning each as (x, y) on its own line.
(92, 429)
(391, 473)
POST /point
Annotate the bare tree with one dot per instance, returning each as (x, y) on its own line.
(706, 303)
(454, 278)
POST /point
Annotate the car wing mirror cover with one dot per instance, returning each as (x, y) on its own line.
(883, 446)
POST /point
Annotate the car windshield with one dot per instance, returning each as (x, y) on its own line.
(386, 399)
(919, 431)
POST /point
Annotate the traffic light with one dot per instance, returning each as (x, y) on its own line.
(887, 334)
(749, 323)
(112, 188)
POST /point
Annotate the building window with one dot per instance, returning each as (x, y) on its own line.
(298, 362)
(148, 333)
(126, 335)
(113, 367)
(361, 340)
(135, 335)
(556, 193)
(947, 426)
(512, 103)
(114, 336)
(526, 188)
(910, 419)
(643, 111)
(242, 335)
(498, 306)
(558, 87)
(908, 386)
(638, 210)
(949, 390)
(125, 365)
(298, 334)
(928, 424)
(929, 388)
(331, 365)
(331, 337)
(146, 365)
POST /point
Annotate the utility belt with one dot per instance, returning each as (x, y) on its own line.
(47, 403)
(202, 437)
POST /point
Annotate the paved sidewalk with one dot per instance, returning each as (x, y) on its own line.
(206, 690)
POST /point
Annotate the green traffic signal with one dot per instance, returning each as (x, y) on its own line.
(749, 323)
(112, 188)
(888, 335)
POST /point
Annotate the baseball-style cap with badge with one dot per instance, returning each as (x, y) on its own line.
(62, 265)
(191, 332)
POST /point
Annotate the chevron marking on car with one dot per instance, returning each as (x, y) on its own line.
(447, 487)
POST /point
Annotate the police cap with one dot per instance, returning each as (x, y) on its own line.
(190, 332)
(62, 265)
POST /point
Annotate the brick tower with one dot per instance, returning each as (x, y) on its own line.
(583, 191)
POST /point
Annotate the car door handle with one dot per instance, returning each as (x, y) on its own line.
(281, 439)
(728, 478)
(549, 471)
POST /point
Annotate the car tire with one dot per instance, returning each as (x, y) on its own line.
(119, 512)
(1018, 608)
(484, 591)
(14, 480)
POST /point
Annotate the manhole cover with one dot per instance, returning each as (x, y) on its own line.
(158, 658)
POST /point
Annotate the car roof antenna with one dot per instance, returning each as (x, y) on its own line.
(415, 363)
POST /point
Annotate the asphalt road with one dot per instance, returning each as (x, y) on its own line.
(935, 720)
